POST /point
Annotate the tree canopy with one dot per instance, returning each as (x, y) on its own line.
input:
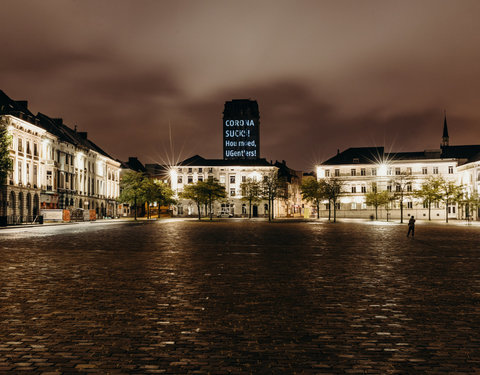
(314, 191)
(251, 193)
(6, 163)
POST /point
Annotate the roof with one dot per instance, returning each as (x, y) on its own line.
(17, 108)
(55, 126)
(67, 134)
(358, 155)
(373, 155)
(199, 161)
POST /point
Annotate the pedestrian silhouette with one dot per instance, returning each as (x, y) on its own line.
(411, 226)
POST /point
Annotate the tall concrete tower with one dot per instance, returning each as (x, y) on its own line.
(241, 130)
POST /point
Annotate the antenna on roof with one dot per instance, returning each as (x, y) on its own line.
(75, 128)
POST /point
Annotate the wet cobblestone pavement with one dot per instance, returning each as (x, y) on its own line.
(239, 297)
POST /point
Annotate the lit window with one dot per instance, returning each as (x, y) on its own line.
(232, 192)
(389, 187)
(200, 178)
(327, 172)
(353, 172)
(397, 171)
(337, 172)
(200, 170)
(354, 206)
(232, 179)
(244, 178)
(374, 171)
(409, 187)
(189, 170)
(190, 179)
(409, 170)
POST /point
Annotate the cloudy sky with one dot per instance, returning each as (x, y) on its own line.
(327, 75)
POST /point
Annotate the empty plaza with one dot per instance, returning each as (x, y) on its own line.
(241, 297)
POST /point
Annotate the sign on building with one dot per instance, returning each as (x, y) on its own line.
(241, 130)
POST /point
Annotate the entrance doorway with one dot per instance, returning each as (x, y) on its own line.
(255, 210)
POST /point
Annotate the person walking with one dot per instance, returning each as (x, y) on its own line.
(411, 226)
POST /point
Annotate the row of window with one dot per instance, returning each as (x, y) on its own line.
(398, 188)
(27, 148)
(408, 204)
(233, 179)
(408, 171)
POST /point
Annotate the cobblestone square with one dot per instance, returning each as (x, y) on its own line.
(176, 297)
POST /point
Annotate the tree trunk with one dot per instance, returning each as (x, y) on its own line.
(135, 206)
(329, 211)
(429, 210)
(318, 210)
(249, 209)
(401, 212)
(199, 213)
(334, 212)
(446, 210)
(211, 213)
(376, 212)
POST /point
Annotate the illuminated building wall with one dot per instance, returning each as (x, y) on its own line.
(241, 130)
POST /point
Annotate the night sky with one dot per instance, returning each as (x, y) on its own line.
(326, 74)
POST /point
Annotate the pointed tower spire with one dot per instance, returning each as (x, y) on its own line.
(445, 138)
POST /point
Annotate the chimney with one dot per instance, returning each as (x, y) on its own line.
(23, 103)
(83, 134)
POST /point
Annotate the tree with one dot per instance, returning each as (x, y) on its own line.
(429, 193)
(212, 191)
(131, 189)
(471, 203)
(6, 163)
(403, 188)
(449, 193)
(273, 187)
(196, 193)
(251, 193)
(333, 191)
(314, 191)
(377, 199)
(156, 191)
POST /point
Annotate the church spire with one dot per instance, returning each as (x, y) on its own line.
(445, 138)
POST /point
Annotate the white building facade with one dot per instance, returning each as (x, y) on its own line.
(230, 174)
(54, 168)
(363, 169)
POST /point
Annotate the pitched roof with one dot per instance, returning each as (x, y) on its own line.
(357, 155)
(199, 161)
(373, 155)
(67, 134)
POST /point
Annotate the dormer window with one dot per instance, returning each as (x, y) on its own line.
(356, 160)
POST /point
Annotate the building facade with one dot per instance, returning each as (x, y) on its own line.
(231, 175)
(54, 168)
(361, 170)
